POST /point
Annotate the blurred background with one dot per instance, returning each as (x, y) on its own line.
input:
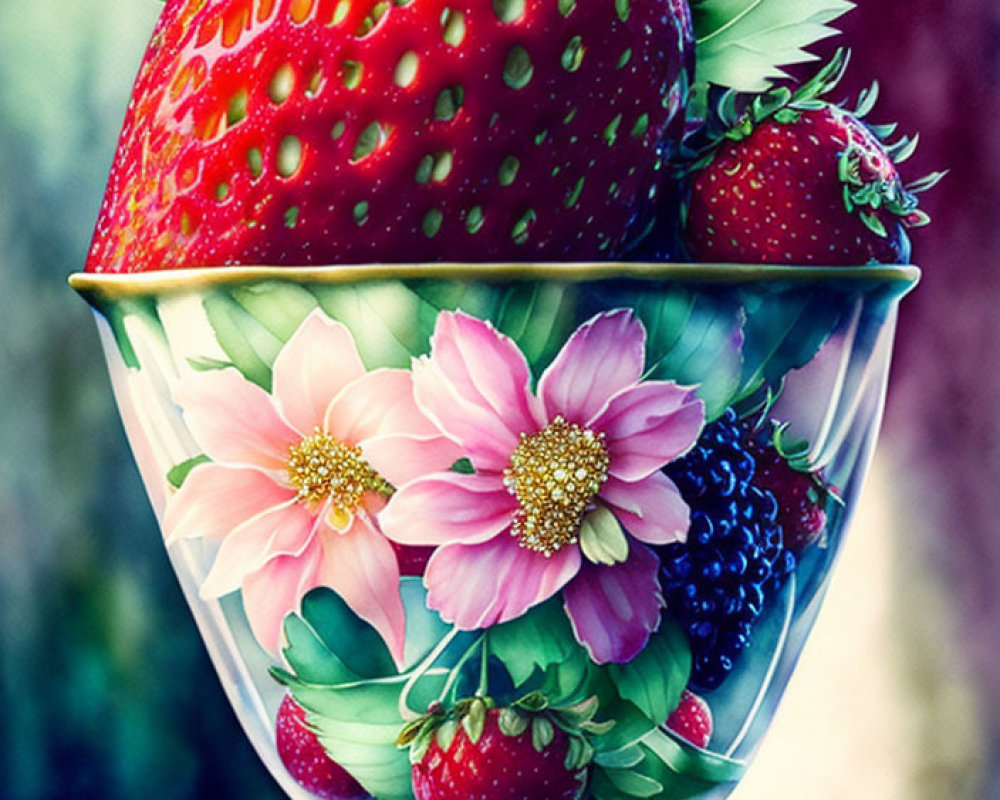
(105, 690)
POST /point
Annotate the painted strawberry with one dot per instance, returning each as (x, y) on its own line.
(692, 719)
(801, 492)
(296, 132)
(798, 180)
(307, 761)
(525, 751)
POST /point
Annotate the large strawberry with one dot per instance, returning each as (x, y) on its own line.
(798, 180)
(302, 132)
(525, 751)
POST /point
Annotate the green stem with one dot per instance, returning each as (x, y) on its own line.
(423, 668)
(484, 659)
(457, 669)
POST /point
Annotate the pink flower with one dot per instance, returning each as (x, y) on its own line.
(297, 477)
(567, 490)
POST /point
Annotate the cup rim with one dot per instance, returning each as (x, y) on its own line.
(115, 286)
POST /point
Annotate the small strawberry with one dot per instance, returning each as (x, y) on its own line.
(798, 180)
(525, 751)
(692, 719)
(800, 492)
(296, 132)
(307, 761)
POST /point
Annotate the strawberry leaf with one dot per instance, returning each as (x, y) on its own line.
(341, 672)
(380, 314)
(537, 316)
(250, 346)
(783, 331)
(536, 640)
(654, 679)
(743, 44)
(344, 633)
(691, 338)
(358, 724)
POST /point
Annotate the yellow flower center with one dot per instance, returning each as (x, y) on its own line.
(323, 468)
(555, 475)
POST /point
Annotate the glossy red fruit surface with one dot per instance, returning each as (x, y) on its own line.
(777, 196)
(307, 761)
(297, 132)
(692, 719)
(800, 494)
(496, 767)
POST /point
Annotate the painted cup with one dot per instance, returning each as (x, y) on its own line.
(595, 505)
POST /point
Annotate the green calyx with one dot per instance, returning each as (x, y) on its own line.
(782, 103)
(531, 713)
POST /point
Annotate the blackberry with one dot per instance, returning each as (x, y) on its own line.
(716, 582)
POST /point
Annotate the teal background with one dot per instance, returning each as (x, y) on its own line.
(105, 690)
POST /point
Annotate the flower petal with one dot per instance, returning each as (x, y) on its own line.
(481, 435)
(361, 567)
(214, 499)
(234, 420)
(318, 361)
(613, 610)
(648, 425)
(475, 586)
(275, 590)
(602, 357)
(486, 367)
(475, 387)
(379, 412)
(401, 459)
(448, 507)
(280, 531)
(652, 510)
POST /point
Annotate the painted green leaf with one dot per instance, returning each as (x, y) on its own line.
(383, 316)
(115, 313)
(783, 331)
(341, 673)
(743, 44)
(634, 784)
(206, 364)
(654, 679)
(631, 724)
(691, 337)
(250, 346)
(424, 628)
(177, 474)
(358, 724)
(666, 769)
(666, 755)
(536, 640)
(344, 633)
(311, 658)
(278, 306)
(538, 316)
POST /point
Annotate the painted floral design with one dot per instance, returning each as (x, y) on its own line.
(566, 492)
(297, 476)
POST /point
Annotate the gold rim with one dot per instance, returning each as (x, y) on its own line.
(185, 280)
